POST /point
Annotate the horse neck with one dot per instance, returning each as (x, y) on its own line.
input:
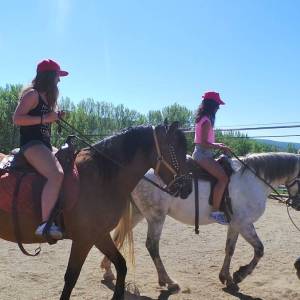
(131, 174)
(275, 181)
(142, 161)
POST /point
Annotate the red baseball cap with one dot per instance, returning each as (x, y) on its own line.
(50, 65)
(213, 96)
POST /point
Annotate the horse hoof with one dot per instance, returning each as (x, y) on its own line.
(109, 276)
(173, 287)
(297, 264)
(222, 278)
(237, 278)
(233, 287)
(162, 283)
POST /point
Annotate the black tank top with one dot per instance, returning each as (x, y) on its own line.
(40, 132)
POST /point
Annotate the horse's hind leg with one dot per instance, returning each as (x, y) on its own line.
(79, 252)
(106, 263)
(106, 245)
(152, 243)
(224, 276)
(249, 234)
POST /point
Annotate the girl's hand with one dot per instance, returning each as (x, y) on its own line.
(61, 114)
(50, 117)
(224, 148)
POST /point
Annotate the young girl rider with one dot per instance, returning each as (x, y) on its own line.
(205, 143)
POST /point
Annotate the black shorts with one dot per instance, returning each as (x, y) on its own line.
(32, 143)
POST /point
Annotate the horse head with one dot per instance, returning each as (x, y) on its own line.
(171, 149)
(293, 188)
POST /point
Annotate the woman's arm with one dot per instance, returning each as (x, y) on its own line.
(206, 126)
(28, 102)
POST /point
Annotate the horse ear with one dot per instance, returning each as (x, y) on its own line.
(173, 127)
(166, 123)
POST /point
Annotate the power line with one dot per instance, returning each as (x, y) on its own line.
(260, 128)
(260, 124)
(265, 136)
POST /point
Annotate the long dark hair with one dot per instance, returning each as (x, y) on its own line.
(207, 108)
(44, 82)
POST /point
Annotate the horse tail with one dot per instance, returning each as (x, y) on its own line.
(123, 234)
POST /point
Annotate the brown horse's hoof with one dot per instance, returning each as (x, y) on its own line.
(109, 276)
(222, 278)
(297, 264)
(173, 287)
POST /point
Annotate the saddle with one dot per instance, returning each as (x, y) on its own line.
(21, 185)
(199, 173)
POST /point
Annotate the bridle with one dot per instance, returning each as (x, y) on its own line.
(178, 180)
(294, 201)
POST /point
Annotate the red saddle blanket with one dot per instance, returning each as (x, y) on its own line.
(31, 186)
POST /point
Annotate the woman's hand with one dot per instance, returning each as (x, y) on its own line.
(50, 117)
(61, 114)
(223, 147)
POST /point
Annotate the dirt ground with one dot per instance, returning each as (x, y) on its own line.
(193, 261)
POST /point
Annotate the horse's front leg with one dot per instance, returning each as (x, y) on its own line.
(79, 252)
(106, 245)
(152, 244)
(249, 234)
(224, 276)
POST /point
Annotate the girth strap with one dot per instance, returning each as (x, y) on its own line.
(196, 205)
(15, 218)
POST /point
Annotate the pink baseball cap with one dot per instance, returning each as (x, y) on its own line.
(213, 96)
(50, 65)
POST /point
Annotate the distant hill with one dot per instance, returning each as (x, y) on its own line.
(281, 145)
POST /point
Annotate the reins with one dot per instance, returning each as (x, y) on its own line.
(280, 199)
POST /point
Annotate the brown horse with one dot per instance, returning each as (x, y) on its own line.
(105, 187)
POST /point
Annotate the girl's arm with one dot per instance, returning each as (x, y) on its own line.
(28, 102)
(206, 126)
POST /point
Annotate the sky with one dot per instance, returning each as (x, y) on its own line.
(151, 54)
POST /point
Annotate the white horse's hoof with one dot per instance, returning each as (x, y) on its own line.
(109, 276)
(232, 287)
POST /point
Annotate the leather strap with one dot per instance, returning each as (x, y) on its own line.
(196, 205)
(15, 218)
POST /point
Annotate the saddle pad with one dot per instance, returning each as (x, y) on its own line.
(30, 191)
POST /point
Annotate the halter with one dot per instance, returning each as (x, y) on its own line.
(178, 180)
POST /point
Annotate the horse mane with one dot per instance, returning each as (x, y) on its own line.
(119, 149)
(273, 165)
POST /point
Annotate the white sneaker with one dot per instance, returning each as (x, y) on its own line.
(219, 217)
(54, 231)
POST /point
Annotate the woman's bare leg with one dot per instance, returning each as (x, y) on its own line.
(42, 159)
(212, 167)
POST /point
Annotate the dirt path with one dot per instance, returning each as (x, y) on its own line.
(194, 261)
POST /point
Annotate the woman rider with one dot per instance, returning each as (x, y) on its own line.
(34, 114)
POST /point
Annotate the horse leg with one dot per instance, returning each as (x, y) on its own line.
(152, 244)
(224, 276)
(106, 245)
(79, 252)
(249, 234)
(106, 263)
